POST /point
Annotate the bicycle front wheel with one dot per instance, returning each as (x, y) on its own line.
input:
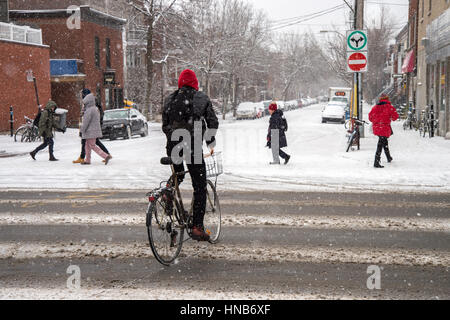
(21, 134)
(350, 141)
(213, 214)
(164, 232)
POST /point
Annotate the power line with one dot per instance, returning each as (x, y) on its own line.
(284, 24)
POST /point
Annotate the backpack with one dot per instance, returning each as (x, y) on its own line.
(181, 111)
(37, 119)
(284, 124)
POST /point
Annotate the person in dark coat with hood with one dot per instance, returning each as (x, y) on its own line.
(277, 128)
(47, 124)
(182, 110)
(381, 116)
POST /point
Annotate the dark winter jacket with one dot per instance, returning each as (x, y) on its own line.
(102, 113)
(381, 116)
(277, 123)
(47, 122)
(182, 109)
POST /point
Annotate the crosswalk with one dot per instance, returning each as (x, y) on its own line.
(298, 246)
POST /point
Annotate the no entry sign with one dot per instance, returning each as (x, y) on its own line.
(357, 62)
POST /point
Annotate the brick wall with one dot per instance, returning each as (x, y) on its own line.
(79, 44)
(15, 59)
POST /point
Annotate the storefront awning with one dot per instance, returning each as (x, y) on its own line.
(410, 62)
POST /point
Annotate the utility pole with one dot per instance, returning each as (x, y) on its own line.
(359, 25)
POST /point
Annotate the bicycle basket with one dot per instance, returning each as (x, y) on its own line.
(214, 167)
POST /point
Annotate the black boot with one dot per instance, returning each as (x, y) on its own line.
(33, 155)
(286, 161)
(53, 159)
(377, 163)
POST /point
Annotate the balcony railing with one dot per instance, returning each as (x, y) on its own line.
(21, 34)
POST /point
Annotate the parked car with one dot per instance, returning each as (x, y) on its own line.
(334, 113)
(124, 123)
(246, 110)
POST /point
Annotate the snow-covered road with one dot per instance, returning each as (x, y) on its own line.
(319, 161)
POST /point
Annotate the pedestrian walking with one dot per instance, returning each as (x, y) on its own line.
(276, 137)
(182, 110)
(91, 130)
(381, 116)
(98, 142)
(47, 124)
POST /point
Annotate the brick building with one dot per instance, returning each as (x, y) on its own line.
(21, 50)
(86, 51)
(434, 60)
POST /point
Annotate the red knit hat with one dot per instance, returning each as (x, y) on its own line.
(273, 106)
(188, 78)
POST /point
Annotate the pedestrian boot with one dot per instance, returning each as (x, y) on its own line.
(286, 161)
(53, 159)
(33, 155)
(107, 160)
(377, 163)
(275, 163)
(390, 159)
(78, 161)
(199, 234)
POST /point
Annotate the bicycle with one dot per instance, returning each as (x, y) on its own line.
(411, 121)
(168, 221)
(27, 132)
(354, 137)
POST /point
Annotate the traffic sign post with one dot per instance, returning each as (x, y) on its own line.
(357, 61)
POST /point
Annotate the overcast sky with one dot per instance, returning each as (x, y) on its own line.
(280, 10)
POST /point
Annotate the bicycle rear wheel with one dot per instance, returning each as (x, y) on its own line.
(213, 214)
(164, 232)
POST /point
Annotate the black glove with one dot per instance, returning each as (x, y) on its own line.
(81, 135)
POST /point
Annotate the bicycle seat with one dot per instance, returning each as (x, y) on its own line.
(167, 161)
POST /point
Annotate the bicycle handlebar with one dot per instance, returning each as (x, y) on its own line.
(360, 121)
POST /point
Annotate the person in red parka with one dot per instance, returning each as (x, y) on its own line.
(381, 116)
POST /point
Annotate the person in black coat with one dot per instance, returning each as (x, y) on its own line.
(182, 110)
(277, 128)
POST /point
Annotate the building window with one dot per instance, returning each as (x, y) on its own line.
(98, 94)
(108, 53)
(423, 7)
(97, 52)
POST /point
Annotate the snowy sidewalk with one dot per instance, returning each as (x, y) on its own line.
(319, 161)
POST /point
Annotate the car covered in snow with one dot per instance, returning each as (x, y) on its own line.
(124, 123)
(334, 112)
(246, 110)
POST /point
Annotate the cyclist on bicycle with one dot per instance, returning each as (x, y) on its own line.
(182, 110)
